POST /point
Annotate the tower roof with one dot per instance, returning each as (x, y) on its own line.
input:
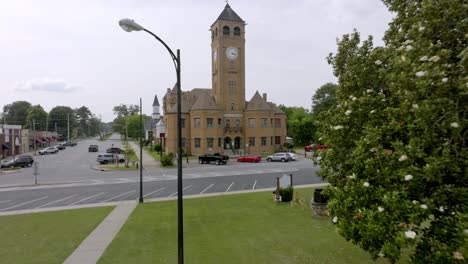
(156, 102)
(229, 15)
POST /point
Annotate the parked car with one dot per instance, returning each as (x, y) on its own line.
(251, 158)
(283, 157)
(216, 158)
(105, 158)
(69, 144)
(60, 147)
(49, 150)
(93, 148)
(293, 156)
(21, 161)
(114, 150)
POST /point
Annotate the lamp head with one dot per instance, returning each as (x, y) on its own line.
(129, 25)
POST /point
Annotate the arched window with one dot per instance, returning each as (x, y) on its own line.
(237, 123)
(236, 31)
(228, 122)
(226, 30)
(216, 32)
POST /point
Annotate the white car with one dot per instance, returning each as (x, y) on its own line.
(293, 156)
(283, 157)
(49, 150)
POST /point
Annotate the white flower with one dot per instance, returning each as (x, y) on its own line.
(415, 202)
(410, 234)
(372, 111)
(378, 62)
(415, 106)
(373, 149)
(366, 184)
(434, 58)
(318, 158)
(423, 58)
(423, 206)
(351, 97)
(409, 47)
(409, 41)
(453, 213)
(403, 58)
(348, 112)
(354, 98)
(465, 231)
(337, 127)
(335, 219)
(352, 176)
(381, 209)
(441, 209)
(401, 47)
(408, 177)
(454, 124)
(381, 254)
(368, 91)
(421, 28)
(403, 158)
(420, 73)
(444, 80)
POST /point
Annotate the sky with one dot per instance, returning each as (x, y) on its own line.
(73, 53)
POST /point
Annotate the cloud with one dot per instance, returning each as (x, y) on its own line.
(46, 85)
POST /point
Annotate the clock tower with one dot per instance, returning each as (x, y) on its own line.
(228, 61)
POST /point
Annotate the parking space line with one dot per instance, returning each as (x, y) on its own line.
(230, 187)
(182, 190)
(82, 200)
(56, 201)
(255, 183)
(4, 201)
(123, 194)
(154, 191)
(18, 205)
(207, 188)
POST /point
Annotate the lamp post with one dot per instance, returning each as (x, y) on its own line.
(130, 25)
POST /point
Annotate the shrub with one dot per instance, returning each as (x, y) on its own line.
(167, 160)
(157, 147)
(286, 194)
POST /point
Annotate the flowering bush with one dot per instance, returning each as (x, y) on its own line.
(398, 158)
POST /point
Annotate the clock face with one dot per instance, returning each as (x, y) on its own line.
(232, 53)
(215, 55)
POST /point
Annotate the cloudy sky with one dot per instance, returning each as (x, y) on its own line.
(67, 52)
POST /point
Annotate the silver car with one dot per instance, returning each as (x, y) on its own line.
(49, 150)
(283, 157)
(105, 158)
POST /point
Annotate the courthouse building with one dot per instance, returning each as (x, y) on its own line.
(220, 119)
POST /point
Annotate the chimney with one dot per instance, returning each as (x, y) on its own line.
(265, 97)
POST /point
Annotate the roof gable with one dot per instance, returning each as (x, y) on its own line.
(257, 103)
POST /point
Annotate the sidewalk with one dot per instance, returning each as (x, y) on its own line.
(148, 161)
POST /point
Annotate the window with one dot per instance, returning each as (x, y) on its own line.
(197, 142)
(263, 141)
(277, 122)
(209, 142)
(196, 122)
(237, 123)
(220, 142)
(277, 140)
(263, 122)
(228, 122)
(219, 122)
(226, 30)
(209, 122)
(182, 122)
(232, 87)
(251, 122)
(184, 141)
(232, 106)
(271, 140)
(251, 141)
(236, 31)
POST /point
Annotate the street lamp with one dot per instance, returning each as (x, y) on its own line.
(129, 26)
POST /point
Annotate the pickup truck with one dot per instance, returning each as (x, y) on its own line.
(216, 158)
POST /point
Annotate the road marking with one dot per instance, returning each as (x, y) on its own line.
(207, 188)
(154, 192)
(18, 205)
(230, 187)
(4, 201)
(82, 200)
(182, 190)
(56, 201)
(255, 183)
(118, 196)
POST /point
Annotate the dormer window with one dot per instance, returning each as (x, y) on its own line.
(226, 30)
(236, 31)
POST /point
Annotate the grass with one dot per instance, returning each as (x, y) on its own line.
(244, 228)
(121, 167)
(105, 137)
(46, 237)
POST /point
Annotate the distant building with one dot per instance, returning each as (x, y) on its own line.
(10, 140)
(220, 119)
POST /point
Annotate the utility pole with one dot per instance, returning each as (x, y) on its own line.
(34, 131)
(47, 127)
(141, 154)
(68, 127)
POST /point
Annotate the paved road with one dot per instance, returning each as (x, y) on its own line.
(67, 179)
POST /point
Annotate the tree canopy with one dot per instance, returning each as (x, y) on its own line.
(324, 98)
(397, 159)
(15, 113)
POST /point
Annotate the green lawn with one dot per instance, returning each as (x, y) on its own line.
(46, 237)
(118, 168)
(244, 228)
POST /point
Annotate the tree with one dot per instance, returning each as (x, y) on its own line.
(83, 115)
(324, 98)
(36, 114)
(299, 124)
(397, 160)
(133, 126)
(15, 113)
(120, 110)
(59, 116)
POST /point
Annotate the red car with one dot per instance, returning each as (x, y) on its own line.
(253, 158)
(315, 146)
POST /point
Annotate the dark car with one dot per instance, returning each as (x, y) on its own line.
(93, 148)
(114, 150)
(21, 161)
(60, 147)
(216, 158)
(69, 144)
